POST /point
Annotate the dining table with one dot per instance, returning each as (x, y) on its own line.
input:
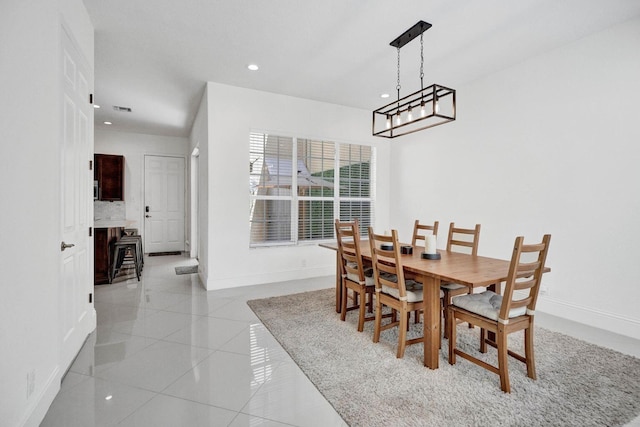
(473, 271)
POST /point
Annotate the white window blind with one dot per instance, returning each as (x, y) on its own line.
(298, 200)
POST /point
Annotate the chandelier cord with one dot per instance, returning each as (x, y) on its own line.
(398, 85)
(421, 60)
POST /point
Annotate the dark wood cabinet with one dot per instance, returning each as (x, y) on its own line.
(103, 240)
(109, 172)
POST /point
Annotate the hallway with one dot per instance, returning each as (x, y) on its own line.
(168, 353)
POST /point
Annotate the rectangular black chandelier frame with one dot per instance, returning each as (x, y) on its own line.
(428, 107)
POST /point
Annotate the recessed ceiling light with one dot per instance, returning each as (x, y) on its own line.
(384, 95)
(108, 123)
(253, 67)
(96, 106)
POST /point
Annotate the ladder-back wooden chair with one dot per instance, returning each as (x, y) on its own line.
(392, 290)
(421, 230)
(504, 314)
(419, 233)
(354, 275)
(463, 240)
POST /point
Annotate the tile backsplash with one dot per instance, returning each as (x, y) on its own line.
(108, 210)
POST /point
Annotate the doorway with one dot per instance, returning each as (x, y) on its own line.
(164, 203)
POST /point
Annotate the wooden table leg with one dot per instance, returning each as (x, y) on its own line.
(338, 283)
(431, 296)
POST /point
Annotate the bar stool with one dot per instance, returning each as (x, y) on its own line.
(133, 232)
(140, 252)
(125, 251)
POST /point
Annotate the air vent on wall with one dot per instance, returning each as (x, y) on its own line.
(122, 109)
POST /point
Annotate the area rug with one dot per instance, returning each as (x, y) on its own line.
(187, 269)
(579, 384)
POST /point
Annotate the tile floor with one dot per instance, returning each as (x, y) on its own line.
(168, 353)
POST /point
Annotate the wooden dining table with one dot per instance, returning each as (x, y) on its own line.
(473, 271)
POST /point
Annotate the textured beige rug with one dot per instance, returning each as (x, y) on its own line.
(579, 384)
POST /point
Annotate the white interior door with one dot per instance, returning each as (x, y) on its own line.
(164, 195)
(76, 282)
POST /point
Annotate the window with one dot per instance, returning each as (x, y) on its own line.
(295, 192)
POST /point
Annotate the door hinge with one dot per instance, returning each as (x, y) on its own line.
(90, 298)
(90, 231)
(90, 165)
(90, 98)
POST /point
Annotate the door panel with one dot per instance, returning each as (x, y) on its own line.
(164, 197)
(75, 210)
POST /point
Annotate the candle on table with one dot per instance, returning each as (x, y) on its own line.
(430, 244)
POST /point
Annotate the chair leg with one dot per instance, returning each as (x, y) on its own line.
(451, 321)
(402, 334)
(362, 308)
(446, 302)
(377, 321)
(343, 302)
(528, 351)
(503, 366)
(483, 340)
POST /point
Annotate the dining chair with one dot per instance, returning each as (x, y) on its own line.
(354, 275)
(421, 230)
(392, 290)
(459, 240)
(419, 233)
(504, 314)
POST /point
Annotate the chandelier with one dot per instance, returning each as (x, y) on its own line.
(430, 106)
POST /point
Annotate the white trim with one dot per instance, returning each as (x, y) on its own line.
(40, 403)
(589, 316)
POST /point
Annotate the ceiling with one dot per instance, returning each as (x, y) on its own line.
(155, 56)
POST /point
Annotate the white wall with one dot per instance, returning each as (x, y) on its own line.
(233, 112)
(134, 146)
(547, 146)
(30, 128)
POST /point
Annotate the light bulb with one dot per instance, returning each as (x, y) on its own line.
(409, 115)
(422, 110)
(437, 107)
(398, 119)
(388, 122)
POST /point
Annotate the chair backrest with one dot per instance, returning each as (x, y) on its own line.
(525, 276)
(387, 263)
(348, 236)
(420, 230)
(461, 238)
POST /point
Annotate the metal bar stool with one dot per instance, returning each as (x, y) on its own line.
(125, 251)
(133, 232)
(138, 239)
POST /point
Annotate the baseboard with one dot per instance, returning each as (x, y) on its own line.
(37, 410)
(597, 318)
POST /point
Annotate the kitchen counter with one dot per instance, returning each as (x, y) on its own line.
(112, 223)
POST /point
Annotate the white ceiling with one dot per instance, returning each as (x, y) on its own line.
(155, 56)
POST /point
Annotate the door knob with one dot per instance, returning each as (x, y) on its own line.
(148, 216)
(64, 246)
